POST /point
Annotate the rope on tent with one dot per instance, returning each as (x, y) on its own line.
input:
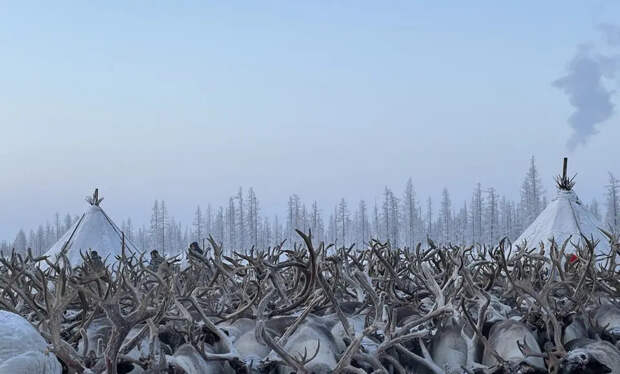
(118, 231)
(64, 246)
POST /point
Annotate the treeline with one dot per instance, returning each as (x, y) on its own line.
(402, 217)
(41, 238)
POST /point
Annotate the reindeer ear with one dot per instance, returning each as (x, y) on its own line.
(595, 366)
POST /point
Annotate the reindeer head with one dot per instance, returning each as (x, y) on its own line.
(581, 361)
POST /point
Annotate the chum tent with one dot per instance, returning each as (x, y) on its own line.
(94, 230)
(565, 216)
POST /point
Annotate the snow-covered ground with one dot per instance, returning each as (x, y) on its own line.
(22, 349)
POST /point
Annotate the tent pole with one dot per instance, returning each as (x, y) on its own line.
(564, 169)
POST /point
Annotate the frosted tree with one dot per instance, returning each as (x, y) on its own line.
(395, 219)
(39, 246)
(155, 225)
(278, 235)
(525, 205)
(516, 227)
(181, 237)
(390, 217)
(314, 218)
(316, 223)
(612, 218)
(241, 222)
(20, 242)
(208, 221)
(594, 209)
(299, 217)
(506, 216)
(290, 221)
(129, 230)
(126, 228)
(429, 217)
(252, 217)
(294, 212)
(58, 226)
(68, 222)
(342, 214)
(362, 224)
(50, 235)
(335, 237)
(376, 222)
(171, 236)
(185, 235)
(385, 216)
(32, 240)
(163, 225)
(491, 216)
(198, 233)
(266, 239)
(304, 217)
(218, 232)
(445, 215)
(531, 194)
(476, 214)
(231, 226)
(461, 225)
(142, 239)
(320, 229)
(410, 214)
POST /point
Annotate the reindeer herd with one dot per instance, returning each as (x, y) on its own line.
(316, 309)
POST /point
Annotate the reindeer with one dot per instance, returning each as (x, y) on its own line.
(307, 308)
(23, 350)
(588, 356)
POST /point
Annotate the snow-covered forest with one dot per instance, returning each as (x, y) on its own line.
(399, 215)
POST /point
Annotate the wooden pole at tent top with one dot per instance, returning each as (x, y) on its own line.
(564, 169)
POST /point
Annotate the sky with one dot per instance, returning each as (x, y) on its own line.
(186, 101)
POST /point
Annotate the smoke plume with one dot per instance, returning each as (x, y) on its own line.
(611, 33)
(584, 84)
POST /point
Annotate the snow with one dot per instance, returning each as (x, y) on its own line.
(93, 231)
(22, 349)
(564, 216)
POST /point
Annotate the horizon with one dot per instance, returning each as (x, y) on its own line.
(186, 220)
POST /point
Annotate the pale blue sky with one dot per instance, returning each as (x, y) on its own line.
(186, 101)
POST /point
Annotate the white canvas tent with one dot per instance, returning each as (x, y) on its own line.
(95, 230)
(564, 216)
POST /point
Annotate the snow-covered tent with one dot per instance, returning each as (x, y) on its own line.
(565, 216)
(96, 231)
